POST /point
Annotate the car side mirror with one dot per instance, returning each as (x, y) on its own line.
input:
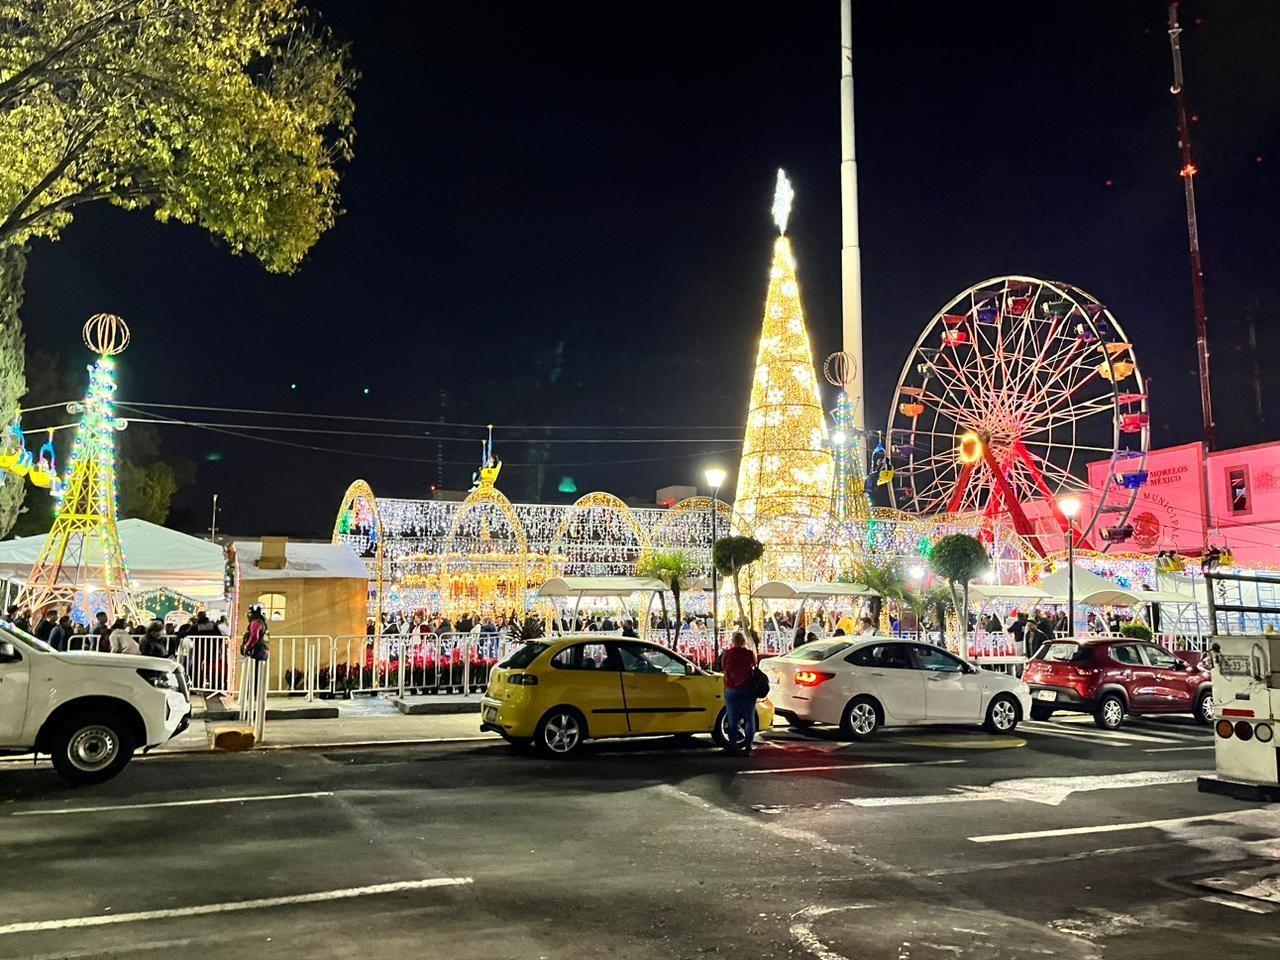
(8, 652)
(1180, 665)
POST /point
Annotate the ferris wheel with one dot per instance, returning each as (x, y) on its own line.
(1018, 392)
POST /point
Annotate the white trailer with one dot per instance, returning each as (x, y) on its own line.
(1246, 702)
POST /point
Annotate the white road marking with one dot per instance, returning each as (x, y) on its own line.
(1047, 790)
(1077, 737)
(1101, 828)
(169, 803)
(1042, 861)
(1045, 726)
(850, 766)
(205, 909)
(802, 930)
(1177, 749)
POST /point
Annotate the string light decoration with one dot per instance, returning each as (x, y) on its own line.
(599, 538)
(402, 542)
(849, 499)
(487, 548)
(81, 565)
(785, 475)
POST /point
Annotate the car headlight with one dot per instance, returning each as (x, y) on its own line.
(164, 679)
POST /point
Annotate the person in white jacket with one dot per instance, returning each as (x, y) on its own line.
(122, 641)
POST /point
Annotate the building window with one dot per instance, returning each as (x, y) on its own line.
(272, 605)
(1238, 489)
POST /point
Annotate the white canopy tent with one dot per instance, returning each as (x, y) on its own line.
(619, 587)
(804, 590)
(801, 591)
(1006, 591)
(156, 557)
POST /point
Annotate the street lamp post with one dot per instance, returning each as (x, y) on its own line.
(1070, 506)
(715, 477)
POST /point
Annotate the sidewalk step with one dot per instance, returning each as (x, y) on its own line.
(219, 711)
(439, 704)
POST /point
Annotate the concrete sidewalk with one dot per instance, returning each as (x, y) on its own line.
(367, 729)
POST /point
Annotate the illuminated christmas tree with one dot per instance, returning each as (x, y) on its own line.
(82, 564)
(786, 467)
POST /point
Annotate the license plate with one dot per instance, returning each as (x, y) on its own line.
(1046, 695)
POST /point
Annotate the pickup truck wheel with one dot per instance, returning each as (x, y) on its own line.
(91, 747)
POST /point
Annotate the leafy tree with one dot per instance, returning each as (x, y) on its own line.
(730, 555)
(1139, 631)
(673, 568)
(230, 114)
(938, 600)
(146, 492)
(13, 381)
(885, 578)
(957, 558)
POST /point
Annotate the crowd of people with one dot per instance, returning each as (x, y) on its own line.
(156, 638)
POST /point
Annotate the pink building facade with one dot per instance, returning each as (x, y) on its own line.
(1228, 498)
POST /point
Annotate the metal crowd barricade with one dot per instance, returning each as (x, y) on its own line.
(85, 643)
(295, 663)
(208, 660)
(252, 694)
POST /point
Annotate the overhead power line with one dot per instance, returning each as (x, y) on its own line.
(423, 423)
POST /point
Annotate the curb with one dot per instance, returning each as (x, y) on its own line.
(28, 760)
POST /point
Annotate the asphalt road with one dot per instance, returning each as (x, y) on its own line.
(1063, 841)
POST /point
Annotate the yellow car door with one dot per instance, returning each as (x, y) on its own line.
(589, 676)
(663, 693)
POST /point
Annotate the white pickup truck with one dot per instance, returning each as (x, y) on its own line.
(87, 711)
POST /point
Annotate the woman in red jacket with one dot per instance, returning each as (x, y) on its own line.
(739, 666)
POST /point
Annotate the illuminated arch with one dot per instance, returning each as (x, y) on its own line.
(479, 570)
(596, 524)
(359, 504)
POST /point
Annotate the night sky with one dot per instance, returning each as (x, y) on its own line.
(558, 214)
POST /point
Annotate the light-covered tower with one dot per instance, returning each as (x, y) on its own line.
(786, 466)
(82, 563)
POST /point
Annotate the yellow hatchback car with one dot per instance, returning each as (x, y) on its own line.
(560, 691)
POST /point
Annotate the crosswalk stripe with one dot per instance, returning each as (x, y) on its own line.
(1075, 737)
(1138, 725)
(1045, 725)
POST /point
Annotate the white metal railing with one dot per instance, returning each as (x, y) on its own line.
(209, 661)
(252, 695)
(83, 643)
(325, 666)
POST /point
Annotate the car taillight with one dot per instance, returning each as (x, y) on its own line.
(1225, 728)
(811, 678)
(523, 679)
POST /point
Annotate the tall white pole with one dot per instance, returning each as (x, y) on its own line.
(850, 255)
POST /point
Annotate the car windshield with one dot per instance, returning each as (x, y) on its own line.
(1063, 652)
(817, 651)
(26, 638)
(521, 658)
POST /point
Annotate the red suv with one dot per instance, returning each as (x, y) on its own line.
(1112, 677)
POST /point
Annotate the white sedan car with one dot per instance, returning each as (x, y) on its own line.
(864, 683)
